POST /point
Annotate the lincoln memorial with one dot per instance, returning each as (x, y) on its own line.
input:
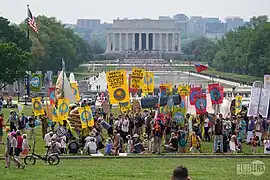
(143, 35)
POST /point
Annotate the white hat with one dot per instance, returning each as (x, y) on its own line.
(135, 135)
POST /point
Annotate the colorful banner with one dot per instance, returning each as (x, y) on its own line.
(51, 93)
(124, 107)
(56, 116)
(75, 90)
(149, 83)
(259, 102)
(195, 92)
(117, 86)
(184, 90)
(86, 116)
(35, 82)
(63, 108)
(106, 107)
(179, 116)
(200, 104)
(216, 93)
(37, 106)
(131, 90)
(137, 78)
(267, 81)
(238, 104)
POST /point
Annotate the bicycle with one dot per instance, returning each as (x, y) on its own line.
(52, 159)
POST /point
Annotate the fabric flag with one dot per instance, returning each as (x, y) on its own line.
(52, 95)
(49, 111)
(124, 107)
(56, 116)
(117, 86)
(195, 92)
(200, 67)
(35, 82)
(75, 90)
(149, 83)
(31, 21)
(20, 108)
(131, 90)
(216, 93)
(184, 90)
(37, 106)
(86, 116)
(238, 104)
(63, 108)
(200, 104)
(179, 116)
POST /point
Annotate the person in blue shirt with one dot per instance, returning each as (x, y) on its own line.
(108, 146)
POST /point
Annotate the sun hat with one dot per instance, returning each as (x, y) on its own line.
(135, 135)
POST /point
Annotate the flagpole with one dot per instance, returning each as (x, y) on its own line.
(27, 83)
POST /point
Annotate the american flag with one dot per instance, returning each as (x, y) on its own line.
(31, 21)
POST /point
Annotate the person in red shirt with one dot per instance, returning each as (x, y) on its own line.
(1, 126)
(18, 149)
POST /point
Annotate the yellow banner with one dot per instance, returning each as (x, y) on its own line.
(63, 108)
(124, 107)
(117, 86)
(75, 90)
(184, 90)
(137, 78)
(238, 104)
(86, 117)
(149, 83)
(56, 116)
(37, 106)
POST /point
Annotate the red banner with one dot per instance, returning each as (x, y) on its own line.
(216, 93)
(52, 95)
(200, 104)
(195, 92)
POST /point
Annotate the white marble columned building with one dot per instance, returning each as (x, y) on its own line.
(143, 35)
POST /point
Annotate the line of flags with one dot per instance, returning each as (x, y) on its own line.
(200, 67)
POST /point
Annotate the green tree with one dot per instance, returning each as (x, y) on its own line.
(13, 63)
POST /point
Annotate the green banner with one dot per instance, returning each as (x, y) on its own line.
(35, 82)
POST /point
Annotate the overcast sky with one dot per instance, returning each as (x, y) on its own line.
(68, 11)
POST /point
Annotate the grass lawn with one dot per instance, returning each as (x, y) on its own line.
(134, 169)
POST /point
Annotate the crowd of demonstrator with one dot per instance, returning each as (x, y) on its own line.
(142, 133)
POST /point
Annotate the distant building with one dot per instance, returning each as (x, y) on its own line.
(196, 26)
(88, 24)
(70, 26)
(215, 30)
(164, 18)
(181, 17)
(234, 22)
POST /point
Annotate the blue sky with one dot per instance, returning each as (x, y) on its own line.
(69, 10)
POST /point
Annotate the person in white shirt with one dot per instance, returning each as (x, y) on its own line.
(48, 138)
(13, 145)
(63, 141)
(25, 145)
(91, 146)
(267, 145)
(125, 128)
(206, 129)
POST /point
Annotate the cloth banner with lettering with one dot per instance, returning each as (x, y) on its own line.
(195, 92)
(200, 104)
(131, 90)
(75, 89)
(216, 93)
(51, 93)
(184, 90)
(37, 106)
(163, 89)
(259, 98)
(137, 78)
(238, 104)
(63, 108)
(106, 107)
(117, 86)
(86, 116)
(149, 84)
(125, 106)
(35, 82)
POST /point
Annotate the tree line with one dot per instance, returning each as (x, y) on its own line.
(245, 50)
(43, 51)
